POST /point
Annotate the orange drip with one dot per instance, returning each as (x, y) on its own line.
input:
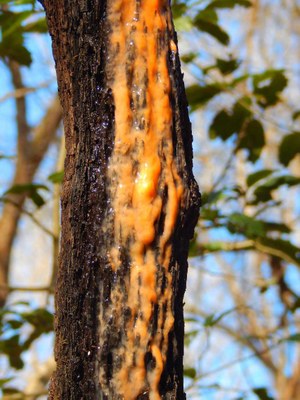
(141, 169)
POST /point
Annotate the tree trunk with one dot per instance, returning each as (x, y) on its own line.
(129, 202)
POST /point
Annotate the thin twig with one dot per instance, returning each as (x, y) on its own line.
(26, 288)
(32, 217)
(237, 361)
(224, 170)
(22, 92)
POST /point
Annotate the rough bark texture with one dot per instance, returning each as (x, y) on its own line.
(103, 306)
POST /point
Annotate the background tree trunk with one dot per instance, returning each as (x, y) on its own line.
(30, 155)
(129, 202)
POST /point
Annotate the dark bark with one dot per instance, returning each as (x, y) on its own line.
(95, 315)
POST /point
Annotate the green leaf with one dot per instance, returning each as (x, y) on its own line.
(212, 197)
(248, 226)
(212, 319)
(241, 111)
(56, 177)
(15, 324)
(183, 23)
(279, 248)
(178, 9)
(12, 349)
(39, 26)
(17, 2)
(210, 214)
(252, 139)
(225, 123)
(189, 57)
(19, 303)
(5, 157)
(263, 192)
(31, 191)
(268, 85)
(262, 394)
(192, 319)
(213, 30)
(289, 148)
(189, 336)
(40, 318)
(12, 391)
(24, 188)
(190, 373)
(221, 126)
(228, 3)
(193, 247)
(198, 95)
(252, 227)
(4, 381)
(296, 115)
(227, 66)
(12, 28)
(293, 338)
(11, 21)
(37, 199)
(238, 80)
(14, 49)
(257, 176)
(276, 226)
(208, 15)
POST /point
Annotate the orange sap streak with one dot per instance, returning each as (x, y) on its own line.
(141, 169)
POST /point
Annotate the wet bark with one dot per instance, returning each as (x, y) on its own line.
(94, 316)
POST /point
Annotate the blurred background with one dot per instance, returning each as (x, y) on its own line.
(241, 62)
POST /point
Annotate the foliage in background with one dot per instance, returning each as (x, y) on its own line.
(248, 214)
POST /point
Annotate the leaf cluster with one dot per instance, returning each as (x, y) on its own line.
(18, 19)
(247, 215)
(20, 326)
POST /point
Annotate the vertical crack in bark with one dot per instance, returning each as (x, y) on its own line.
(146, 191)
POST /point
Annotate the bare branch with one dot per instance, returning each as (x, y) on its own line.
(215, 247)
(26, 288)
(239, 360)
(23, 127)
(23, 91)
(34, 219)
(27, 164)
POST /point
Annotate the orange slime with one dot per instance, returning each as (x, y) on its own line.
(144, 183)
